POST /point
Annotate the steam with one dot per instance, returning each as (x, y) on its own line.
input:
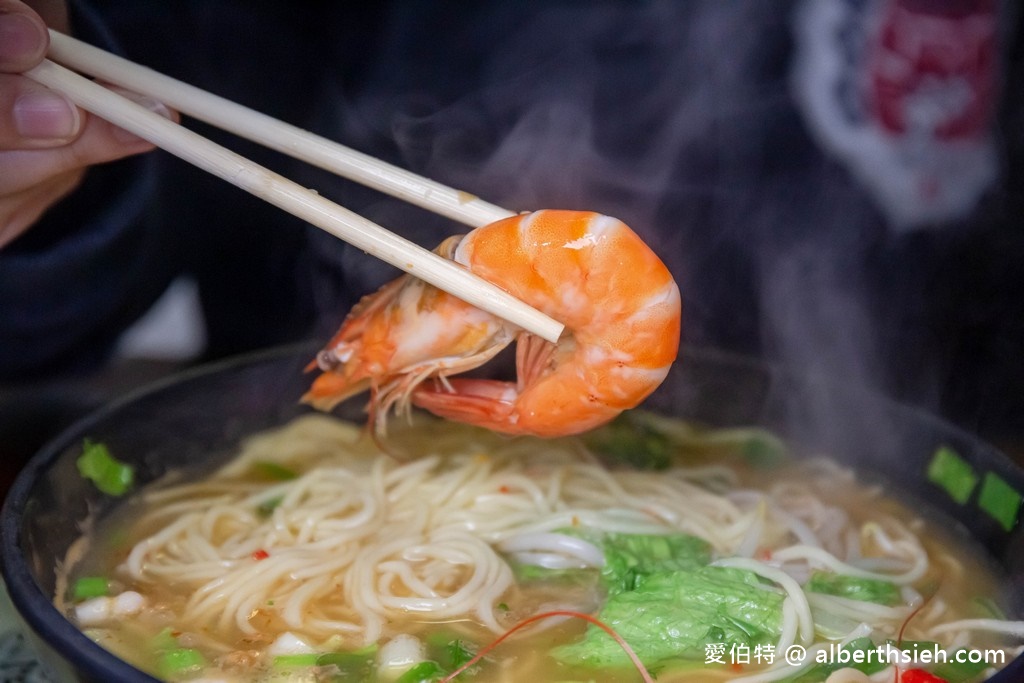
(680, 119)
(600, 110)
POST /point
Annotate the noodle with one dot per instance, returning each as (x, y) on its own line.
(349, 548)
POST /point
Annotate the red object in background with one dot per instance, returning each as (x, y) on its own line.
(933, 67)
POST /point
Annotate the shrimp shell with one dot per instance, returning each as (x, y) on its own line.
(619, 304)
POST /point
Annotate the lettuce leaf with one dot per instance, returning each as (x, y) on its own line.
(676, 614)
(629, 558)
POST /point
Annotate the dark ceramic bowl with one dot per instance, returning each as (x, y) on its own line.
(197, 418)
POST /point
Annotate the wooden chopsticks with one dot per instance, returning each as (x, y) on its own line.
(276, 189)
(273, 133)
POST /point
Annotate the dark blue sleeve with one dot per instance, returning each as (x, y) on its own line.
(76, 279)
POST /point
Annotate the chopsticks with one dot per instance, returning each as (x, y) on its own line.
(273, 133)
(301, 202)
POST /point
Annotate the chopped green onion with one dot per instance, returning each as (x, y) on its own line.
(854, 588)
(346, 659)
(90, 587)
(351, 667)
(275, 471)
(164, 641)
(1000, 500)
(424, 672)
(108, 474)
(953, 474)
(267, 507)
(305, 659)
(954, 671)
(868, 665)
(185, 660)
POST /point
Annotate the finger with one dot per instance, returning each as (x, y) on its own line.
(99, 142)
(33, 116)
(23, 37)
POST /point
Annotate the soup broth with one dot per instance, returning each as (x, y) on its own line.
(317, 553)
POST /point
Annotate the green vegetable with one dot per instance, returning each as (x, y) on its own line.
(346, 659)
(1000, 500)
(274, 471)
(673, 615)
(854, 588)
(349, 666)
(181, 661)
(267, 507)
(90, 587)
(108, 474)
(649, 441)
(424, 672)
(762, 449)
(531, 572)
(952, 473)
(450, 652)
(628, 558)
(305, 659)
(631, 438)
(175, 662)
(953, 671)
(456, 654)
(164, 641)
(870, 663)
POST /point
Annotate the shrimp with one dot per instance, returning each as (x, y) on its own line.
(619, 304)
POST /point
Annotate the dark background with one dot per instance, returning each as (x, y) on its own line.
(678, 118)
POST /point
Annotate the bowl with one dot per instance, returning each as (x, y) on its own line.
(195, 419)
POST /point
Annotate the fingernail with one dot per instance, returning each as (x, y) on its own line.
(45, 115)
(19, 37)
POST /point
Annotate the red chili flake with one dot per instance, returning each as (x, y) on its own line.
(736, 666)
(920, 676)
(765, 555)
(503, 489)
(260, 554)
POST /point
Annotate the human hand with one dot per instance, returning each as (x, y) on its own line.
(46, 142)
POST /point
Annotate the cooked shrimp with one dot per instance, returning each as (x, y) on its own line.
(619, 304)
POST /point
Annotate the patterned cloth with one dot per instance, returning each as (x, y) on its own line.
(18, 663)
